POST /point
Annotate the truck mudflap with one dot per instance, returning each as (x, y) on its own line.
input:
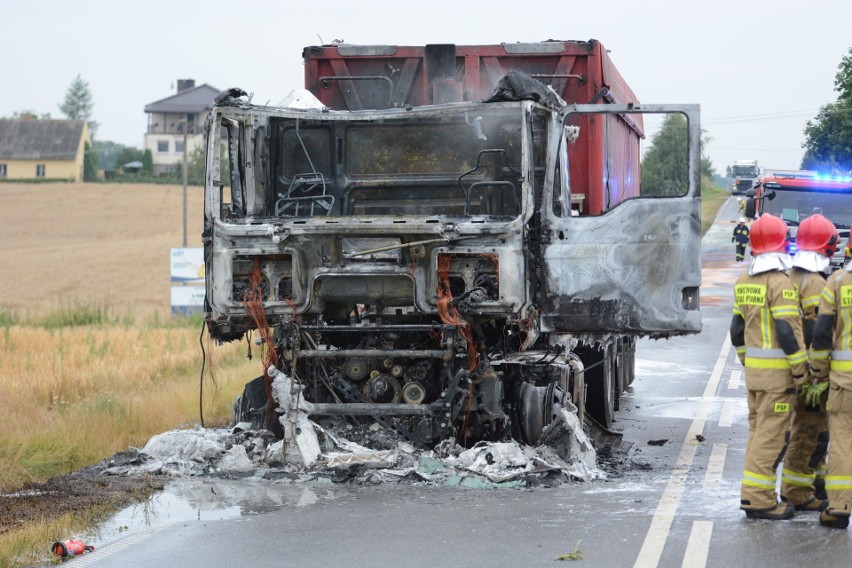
(635, 269)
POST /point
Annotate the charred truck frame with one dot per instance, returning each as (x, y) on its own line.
(429, 266)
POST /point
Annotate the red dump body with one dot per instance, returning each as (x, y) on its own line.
(604, 162)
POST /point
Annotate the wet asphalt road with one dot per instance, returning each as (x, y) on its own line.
(676, 506)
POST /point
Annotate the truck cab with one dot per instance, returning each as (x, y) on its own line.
(745, 174)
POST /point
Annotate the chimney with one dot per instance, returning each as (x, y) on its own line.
(184, 84)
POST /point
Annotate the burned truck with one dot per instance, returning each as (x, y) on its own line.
(427, 265)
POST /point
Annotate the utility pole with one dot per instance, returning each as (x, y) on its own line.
(185, 128)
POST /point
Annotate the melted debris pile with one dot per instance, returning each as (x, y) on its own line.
(361, 453)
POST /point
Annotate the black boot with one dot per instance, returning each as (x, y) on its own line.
(833, 521)
(781, 512)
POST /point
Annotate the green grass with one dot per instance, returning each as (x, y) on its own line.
(712, 199)
(76, 314)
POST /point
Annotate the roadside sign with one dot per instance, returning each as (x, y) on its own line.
(187, 265)
(187, 300)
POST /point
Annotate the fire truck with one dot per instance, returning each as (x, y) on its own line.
(795, 195)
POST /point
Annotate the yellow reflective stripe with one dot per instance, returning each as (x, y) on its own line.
(747, 473)
(838, 482)
(797, 478)
(741, 349)
(765, 328)
(810, 302)
(820, 354)
(799, 357)
(784, 311)
(841, 365)
(828, 296)
(737, 311)
(756, 480)
(756, 363)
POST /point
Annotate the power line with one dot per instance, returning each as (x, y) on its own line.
(754, 149)
(771, 116)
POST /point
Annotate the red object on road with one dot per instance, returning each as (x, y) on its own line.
(71, 548)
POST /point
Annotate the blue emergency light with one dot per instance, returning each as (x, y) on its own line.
(827, 177)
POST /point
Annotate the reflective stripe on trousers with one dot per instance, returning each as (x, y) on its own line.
(797, 478)
(757, 480)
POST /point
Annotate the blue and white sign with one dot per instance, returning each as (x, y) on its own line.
(187, 300)
(187, 265)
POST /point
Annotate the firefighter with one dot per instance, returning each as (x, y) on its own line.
(741, 238)
(816, 242)
(831, 357)
(766, 330)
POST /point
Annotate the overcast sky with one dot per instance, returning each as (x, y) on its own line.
(758, 68)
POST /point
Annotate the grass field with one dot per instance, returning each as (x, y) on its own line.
(99, 244)
(712, 199)
(90, 359)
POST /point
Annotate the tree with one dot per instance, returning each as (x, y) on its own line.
(90, 163)
(128, 154)
(29, 114)
(665, 167)
(78, 103)
(828, 137)
(147, 162)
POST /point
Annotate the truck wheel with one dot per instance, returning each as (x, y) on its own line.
(630, 358)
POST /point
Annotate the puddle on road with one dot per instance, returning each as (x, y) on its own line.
(203, 500)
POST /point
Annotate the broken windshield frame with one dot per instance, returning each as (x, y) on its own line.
(466, 162)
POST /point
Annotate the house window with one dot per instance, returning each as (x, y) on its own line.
(2, 170)
(178, 146)
(40, 170)
(163, 146)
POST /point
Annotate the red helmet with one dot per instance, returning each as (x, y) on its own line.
(818, 234)
(768, 234)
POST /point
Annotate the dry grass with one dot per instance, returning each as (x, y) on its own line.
(79, 394)
(102, 244)
(90, 360)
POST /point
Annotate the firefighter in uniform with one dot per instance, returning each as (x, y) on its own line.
(766, 330)
(831, 356)
(741, 238)
(816, 242)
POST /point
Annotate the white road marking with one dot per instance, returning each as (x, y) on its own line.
(117, 546)
(726, 417)
(698, 547)
(734, 381)
(661, 524)
(715, 468)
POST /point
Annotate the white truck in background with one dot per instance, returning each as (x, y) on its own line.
(745, 174)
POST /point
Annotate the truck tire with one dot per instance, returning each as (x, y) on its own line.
(630, 358)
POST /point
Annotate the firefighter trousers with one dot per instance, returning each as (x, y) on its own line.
(741, 250)
(805, 454)
(769, 423)
(838, 481)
